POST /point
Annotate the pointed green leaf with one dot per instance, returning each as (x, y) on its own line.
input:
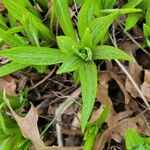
(31, 30)
(18, 10)
(88, 79)
(131, 21)
(107, 4)
(13, 40)
(2, 23)
(99, 27)
(12, 19)
(134, 141)
(62, 13)
(6, 145)
(86, 40)
(10, 68)
(132, 3)
(66, 44)
(34, 55)
(71, 64)
(110, 52)
(146, 29)
(85, 16)
(147, 15)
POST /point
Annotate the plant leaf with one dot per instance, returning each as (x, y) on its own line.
(18, 9)
(7, 144)
(132, 3)
(31, 55)
(146, 29)
(66, 44)
(107, 4)
(133, 140)
(99, 27)
(10, 68)
(147, 15)
(86, 40)
(88, 79)
(31, 30)
(71, 64)
(110, 52)
(85, 16)
(131, 21)
(62, 13)
(2, 23)
(13, 40)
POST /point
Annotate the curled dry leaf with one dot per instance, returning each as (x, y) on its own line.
(9, 84)
(145, 87)
(28, 125)
(29, 128)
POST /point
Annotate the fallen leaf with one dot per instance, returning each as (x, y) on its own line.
(29, 128)
(145, 87)
(122, 87)
(102, 96)
(28, 125)
(135, 71)
(9, 84)
(1, 7)
(102, 92)
(118, 130)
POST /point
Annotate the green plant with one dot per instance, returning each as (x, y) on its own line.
(92, 129)
(10, 135)
(136, 142)
(77, 52)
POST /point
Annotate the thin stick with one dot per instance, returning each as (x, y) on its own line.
(43, 80)
(59, 133)
(133, 83)
(129, 76)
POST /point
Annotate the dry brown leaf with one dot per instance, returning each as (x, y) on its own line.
(102, 92)
(102, 96)
(29, 128)
(135, 71)
(28, 125)
(145, 87)
(122, 87)
(1, 7)
(118, 130)
(9, 84)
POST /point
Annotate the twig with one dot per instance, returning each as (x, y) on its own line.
(59, 133)
(43, 80)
